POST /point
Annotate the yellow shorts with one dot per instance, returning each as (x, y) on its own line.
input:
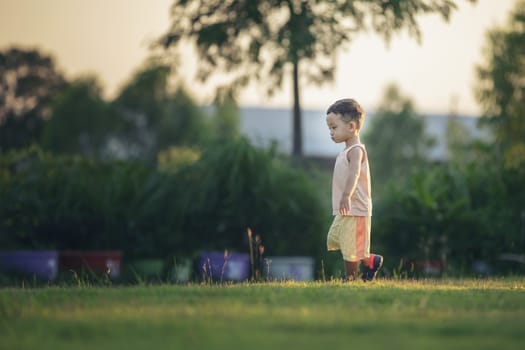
(350, 235)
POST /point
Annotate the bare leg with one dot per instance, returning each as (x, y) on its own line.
(351, 270)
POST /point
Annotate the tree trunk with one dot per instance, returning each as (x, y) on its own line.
(297, 128)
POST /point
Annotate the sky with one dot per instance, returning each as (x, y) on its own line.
(111, 40)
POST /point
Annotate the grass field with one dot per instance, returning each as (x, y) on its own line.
(429, 314)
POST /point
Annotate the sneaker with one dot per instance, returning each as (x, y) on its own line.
(370, 273)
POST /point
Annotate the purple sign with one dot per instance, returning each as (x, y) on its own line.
(42, 264)
(225, 266)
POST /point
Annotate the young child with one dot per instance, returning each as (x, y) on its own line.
(351, 193)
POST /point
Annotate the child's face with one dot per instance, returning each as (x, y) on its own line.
(339, 130)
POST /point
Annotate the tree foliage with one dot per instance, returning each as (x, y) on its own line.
(81, 122)
(151, 113)
(29, 81)
(267, 40)
(160, 115)
(501, 87)
(226, 118)
(398, 145)
(471, 209)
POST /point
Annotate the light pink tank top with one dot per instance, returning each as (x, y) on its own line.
(361, 199)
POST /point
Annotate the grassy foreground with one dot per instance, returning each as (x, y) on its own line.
(430, 314)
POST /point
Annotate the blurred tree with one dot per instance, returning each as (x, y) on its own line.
(462, 147)
(501, 94)
(184, 123)
(143, 102)
(458, 140)
(226, 121)
(266, 40)
(81, 121)
(400, 146)
(29, 81)
(160, 118)
(501, 88)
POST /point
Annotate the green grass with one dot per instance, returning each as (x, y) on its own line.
(429, 314)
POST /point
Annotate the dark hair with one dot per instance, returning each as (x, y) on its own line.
(349, 110)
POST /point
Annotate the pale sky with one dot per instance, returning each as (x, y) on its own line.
(109, 38)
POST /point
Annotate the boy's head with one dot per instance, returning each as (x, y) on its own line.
(349, 110)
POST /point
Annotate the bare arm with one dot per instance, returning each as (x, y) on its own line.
(355, 157)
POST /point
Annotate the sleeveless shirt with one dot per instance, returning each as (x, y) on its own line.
(361, 199)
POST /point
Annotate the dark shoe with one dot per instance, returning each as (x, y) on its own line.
(369, 274)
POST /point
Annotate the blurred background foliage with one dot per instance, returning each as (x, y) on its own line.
(154, 174)
(206, 201)
(397, 144)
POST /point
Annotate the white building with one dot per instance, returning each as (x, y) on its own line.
(264, 125)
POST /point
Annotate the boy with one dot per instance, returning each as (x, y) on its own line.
(351, 192)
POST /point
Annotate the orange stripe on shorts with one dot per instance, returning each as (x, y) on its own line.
(360, 236)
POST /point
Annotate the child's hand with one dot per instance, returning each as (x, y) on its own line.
(344, 206)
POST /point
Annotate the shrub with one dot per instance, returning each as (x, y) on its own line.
(73, 202)
(457, 215)
(235, 186)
